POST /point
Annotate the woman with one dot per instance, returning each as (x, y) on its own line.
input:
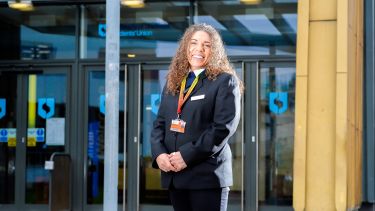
(199, 112)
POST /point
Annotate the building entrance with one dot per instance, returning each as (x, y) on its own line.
(262, 147)
(33, 125)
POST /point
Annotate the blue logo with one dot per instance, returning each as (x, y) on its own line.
(2, 107)
(102, 104)
(278, 102)
(102, 29)
(155, 102)
(46, 107)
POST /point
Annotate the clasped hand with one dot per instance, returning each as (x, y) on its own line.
(171, 162)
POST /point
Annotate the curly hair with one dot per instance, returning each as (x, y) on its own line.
(217, 62)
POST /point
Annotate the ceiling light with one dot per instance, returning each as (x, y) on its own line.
(251, 1)
(23, 5)
(133, 3)
(131, 55)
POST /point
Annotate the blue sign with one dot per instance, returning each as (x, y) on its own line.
(155, 102)
(92, 152)
(46, 107)
(102, 29)
(2, 107)
(278, 102)
(40, 135)
(102, 104)
(4, 135)
(127, 33)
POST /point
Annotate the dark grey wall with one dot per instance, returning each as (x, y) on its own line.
(369, 106)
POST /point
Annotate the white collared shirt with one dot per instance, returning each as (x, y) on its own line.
(197, 72)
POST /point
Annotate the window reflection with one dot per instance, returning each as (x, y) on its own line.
(8, 123)
(47, 32)
(151, 31)
(264, 28)
(95, 137)
(46, 106)
(276, 136)
(151, 193)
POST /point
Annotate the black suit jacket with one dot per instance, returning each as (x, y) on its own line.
(210, 122)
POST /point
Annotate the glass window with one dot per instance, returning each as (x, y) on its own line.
(276, 135)
(46, 32)
(95, 137)
(151, 192)
(8, 131)
(264, 28)
(150, 32)
(46, 116)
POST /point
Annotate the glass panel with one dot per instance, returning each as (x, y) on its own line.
(276, 135)
(45, 131)
(151, 193)
(263, 28)
(8, 126)
(236, 145)
(147, 32)
(95, 138)
(46, 32)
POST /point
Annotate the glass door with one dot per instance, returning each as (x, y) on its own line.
(33, 124)
(151, 195)
(270, 134)
(276, 135)
(94, 137)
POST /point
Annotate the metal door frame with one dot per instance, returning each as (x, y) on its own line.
(252, 80)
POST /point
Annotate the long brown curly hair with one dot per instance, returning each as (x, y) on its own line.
(217, 62)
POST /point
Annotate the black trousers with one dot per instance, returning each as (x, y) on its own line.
(199, 200)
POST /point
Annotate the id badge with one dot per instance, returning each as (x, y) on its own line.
(178, 125)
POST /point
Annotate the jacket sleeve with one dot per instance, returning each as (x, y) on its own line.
(225, 121)
(158, 133)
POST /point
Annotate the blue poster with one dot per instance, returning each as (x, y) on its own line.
(278, 102)
(2, 107)
(46, 107)
(92, 153)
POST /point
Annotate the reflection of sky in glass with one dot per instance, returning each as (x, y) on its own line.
(165, 49)
(209, 20)
(97, 88)
(151, 86)
(283, 76)
(52, 86)
(257, 24)
(253, 31)
(154, 20)
(291, 19)
(63, 45)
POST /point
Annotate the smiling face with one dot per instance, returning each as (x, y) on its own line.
(199, 50)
